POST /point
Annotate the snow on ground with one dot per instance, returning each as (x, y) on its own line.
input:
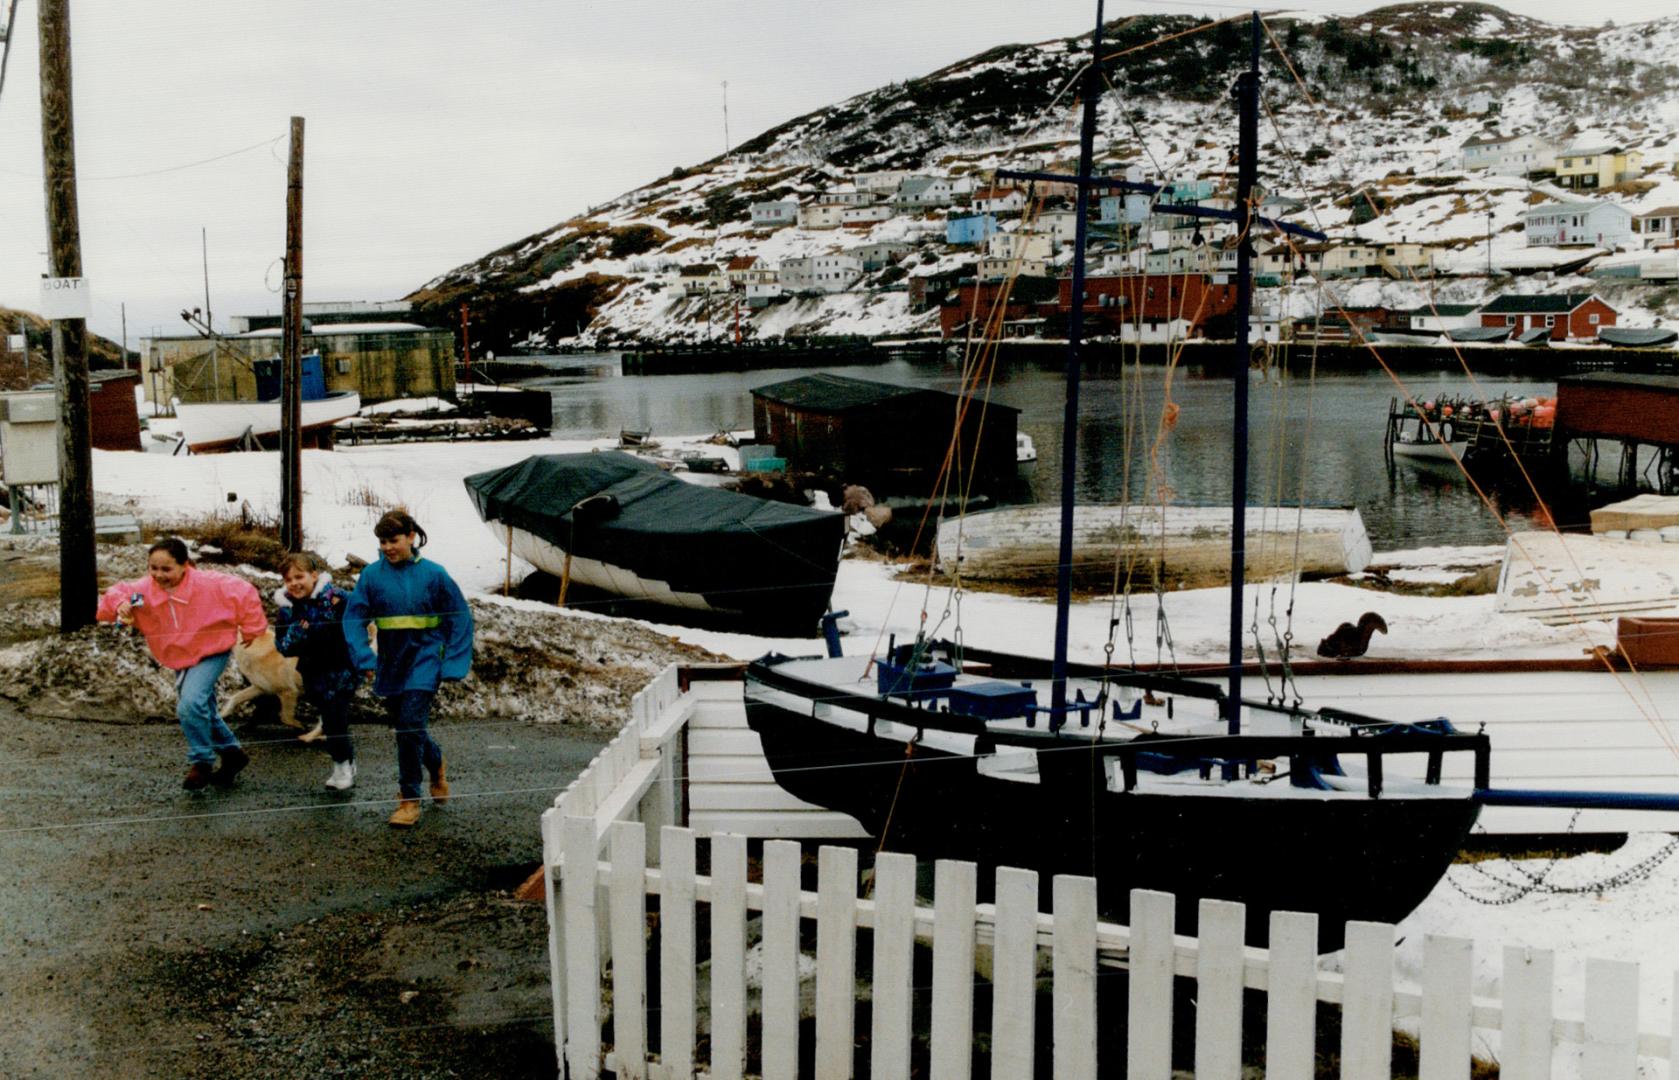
(346, 490)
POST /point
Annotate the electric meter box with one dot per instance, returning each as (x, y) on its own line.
(29, 438)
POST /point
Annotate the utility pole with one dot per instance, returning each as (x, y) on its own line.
(78, 569)
(466, 344)
(291, 349)
(726, 143)
(209, 320)
(125, 335)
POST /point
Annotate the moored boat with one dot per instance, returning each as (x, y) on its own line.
(224, 425)
(622, 524)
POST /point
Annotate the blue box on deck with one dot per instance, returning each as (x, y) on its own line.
(993, 700)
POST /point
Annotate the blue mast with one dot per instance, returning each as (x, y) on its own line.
(1070, 420)
(1247, 94)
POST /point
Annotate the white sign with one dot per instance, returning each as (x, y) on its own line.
(15, 343)
(65, 298)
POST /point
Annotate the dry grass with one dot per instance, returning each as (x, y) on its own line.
(233, 539)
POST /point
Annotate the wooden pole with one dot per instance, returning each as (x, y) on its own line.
(125, 335)
(78, 569)
(291, 362)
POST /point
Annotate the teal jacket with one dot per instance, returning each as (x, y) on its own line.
(424, 624)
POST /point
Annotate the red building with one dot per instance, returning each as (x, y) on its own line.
(1130, 298)
(976, 300)
(1566, 315)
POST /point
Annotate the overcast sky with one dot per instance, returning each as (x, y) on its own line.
(438, 131)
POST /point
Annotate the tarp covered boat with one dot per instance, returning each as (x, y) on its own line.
(634, 530)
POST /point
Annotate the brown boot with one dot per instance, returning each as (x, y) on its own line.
(440, 784)
(407, 814)
(198, 775)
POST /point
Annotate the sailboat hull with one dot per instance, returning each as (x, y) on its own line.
(1340, 854)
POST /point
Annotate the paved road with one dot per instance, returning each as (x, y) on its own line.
(276, 929)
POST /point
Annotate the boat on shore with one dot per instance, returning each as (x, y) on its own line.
(208, 426)
(1184, 544)
(624, 525)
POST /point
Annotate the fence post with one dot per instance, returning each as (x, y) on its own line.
(552, 896)
(728, 956)
(1218, 991)
(1148, 1043)
(894, 964)
(1611, 1020)
(1074, 993)
(836, 961)
(676, 951)
(955, 889)
(1014, 964)
(1448, 969)
(628, 893)
(582, 949)
(780, 1019)
(1291, 997)
(1367, 1004)
(1525, 1049)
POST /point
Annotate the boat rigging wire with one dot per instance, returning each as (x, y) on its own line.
(1652, 713)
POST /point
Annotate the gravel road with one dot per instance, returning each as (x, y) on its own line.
(276, 929)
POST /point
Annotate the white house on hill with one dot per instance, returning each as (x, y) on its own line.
(1565, 224)
(1508, 155)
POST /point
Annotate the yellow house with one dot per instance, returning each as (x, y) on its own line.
(1585, 167)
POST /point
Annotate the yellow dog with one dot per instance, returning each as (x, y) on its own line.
(268, 672)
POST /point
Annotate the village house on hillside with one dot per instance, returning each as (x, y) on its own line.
(1569, 316)
(1586, 168)
(1508, 155)
(999, 200)
(970, 229)
(746, 270)
(1658, 227)
(821, 215)
(923, 191)
(1441, 317)
(777, 212)
(1564, 224)
(697, 279)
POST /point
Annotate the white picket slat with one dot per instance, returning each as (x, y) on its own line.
(780, 1021)
(1074, 991)
(955, 888)
(1611, 1051)
(1291, 997)
(1014, 960)
(1525, 1047)
(728, 956)
(894, 964)
(627, 890)
(836, 961)
(1448, 969)
(676, 951)
(583, 972)
(1367, 1003)
(1218, 991)
(1148, 1050)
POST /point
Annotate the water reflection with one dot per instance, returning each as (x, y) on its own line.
(1320, 439)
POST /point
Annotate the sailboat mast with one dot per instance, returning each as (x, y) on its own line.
(1247, 95)
(1070, 419)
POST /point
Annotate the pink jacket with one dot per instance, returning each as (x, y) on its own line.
(202, 617)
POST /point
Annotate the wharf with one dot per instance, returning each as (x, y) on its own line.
(1345, 356)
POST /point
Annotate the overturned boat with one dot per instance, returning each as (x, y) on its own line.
(623, 525)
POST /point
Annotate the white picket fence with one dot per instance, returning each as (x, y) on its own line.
(598, 924)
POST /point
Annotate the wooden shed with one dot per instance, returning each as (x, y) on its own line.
(113, 414)
(891, 439)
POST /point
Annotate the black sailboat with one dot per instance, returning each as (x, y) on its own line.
(1202, 795)
(1140, 779)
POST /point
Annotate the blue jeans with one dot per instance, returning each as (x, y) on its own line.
(415, 748)
(207, 733)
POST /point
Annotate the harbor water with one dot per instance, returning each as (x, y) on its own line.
(1314, 439)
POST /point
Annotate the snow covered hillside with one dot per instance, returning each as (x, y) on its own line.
(1365, 122)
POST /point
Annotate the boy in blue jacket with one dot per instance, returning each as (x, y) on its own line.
(425, 637)
(308, 624)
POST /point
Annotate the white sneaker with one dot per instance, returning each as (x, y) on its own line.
(343, 776)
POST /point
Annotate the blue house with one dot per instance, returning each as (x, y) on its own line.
(975, 229)
(1131, 209)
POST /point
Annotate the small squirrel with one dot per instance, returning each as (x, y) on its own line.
(1348, 640)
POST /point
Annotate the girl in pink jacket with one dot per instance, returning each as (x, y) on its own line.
(191, 618)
